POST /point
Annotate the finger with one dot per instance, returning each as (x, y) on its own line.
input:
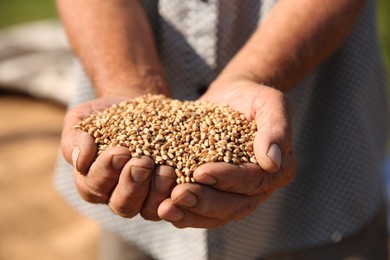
(97, 185)
(242, 179)
(273, 139)
(162, 183)
(203, 217)
(132, 188)
(247, 179)
(182, 218)
(78, 147)
(208, 202)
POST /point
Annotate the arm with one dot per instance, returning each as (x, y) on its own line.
(114, 42)
(295, 37)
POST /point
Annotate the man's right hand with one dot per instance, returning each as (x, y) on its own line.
(128, 185)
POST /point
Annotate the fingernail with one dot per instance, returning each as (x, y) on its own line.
(119, 161)
(75, 156)
(140, 174)
(275, 154)
(164, 180)
(188, 200)
(175, 214)
(205, 179)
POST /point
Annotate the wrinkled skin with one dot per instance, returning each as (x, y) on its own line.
(223, 192)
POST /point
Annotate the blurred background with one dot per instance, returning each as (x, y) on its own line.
(34, 219)
(35, 79)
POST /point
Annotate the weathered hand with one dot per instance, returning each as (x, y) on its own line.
(228, 192)
(268, 107)
(224, 192)
(128, 185)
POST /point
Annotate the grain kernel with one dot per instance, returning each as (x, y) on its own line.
(180, 134)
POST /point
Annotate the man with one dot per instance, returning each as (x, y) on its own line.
(257, 56)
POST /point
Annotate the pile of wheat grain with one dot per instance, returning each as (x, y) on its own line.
(181, 134)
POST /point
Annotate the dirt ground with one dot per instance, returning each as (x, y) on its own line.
(35, 222)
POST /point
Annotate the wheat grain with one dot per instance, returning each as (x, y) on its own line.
(180, 134)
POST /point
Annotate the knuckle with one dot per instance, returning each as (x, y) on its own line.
(213, 209)
(122, 210)
(97, 191)
(87, 194)
(245, 209)
(151, 215)
(258, 185)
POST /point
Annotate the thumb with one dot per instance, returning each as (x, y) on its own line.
(273, 139)
(78, 147)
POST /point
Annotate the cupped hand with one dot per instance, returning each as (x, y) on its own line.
(265, 105)
(226, 192)
(223, 193)
(128, 185)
